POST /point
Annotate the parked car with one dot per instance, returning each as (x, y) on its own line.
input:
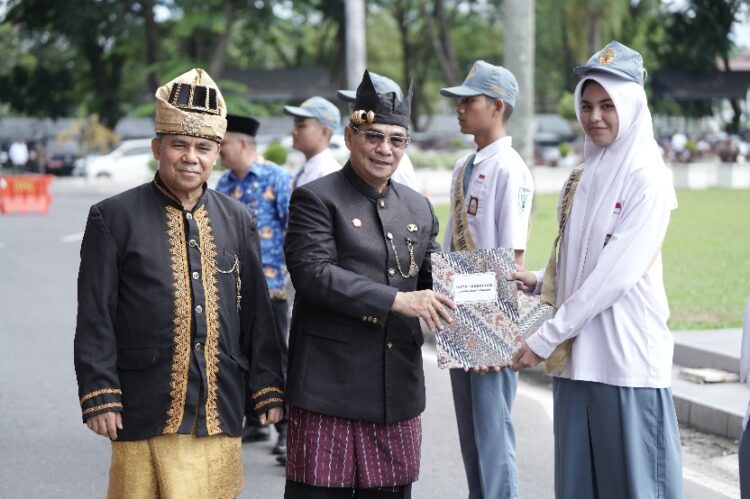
(552, 130)
(551, 133)
(129, 161)
(61, 164)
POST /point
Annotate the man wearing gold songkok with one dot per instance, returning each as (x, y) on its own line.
(174, 326)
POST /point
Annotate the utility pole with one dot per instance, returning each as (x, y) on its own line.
(518, 29)
(356, 47)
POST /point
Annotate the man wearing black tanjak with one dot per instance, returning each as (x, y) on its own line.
(358, 250)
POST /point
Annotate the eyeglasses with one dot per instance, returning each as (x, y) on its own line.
(374, 137)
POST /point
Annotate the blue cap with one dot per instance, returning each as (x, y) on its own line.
(486, 79)
(317, 108)
(382, 84)
(616, 59)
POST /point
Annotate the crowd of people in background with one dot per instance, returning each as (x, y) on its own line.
(686, 148)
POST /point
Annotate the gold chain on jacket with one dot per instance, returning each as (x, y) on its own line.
(235, 269)
(413, 268)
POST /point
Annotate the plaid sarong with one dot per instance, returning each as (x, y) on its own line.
(326, 451)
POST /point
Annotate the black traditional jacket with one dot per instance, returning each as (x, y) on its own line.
(174, 324)
(349, 355)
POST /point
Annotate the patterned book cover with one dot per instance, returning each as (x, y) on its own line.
(485, 332)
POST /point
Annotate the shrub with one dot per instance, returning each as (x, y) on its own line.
(276, 152)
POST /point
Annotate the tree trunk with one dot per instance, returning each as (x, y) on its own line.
(570, 62)
(518, 16)
(447, 41)
(442, 44)
(106, 80)
(356, 41)
(220, 51)
(594, 38)
(153, 46)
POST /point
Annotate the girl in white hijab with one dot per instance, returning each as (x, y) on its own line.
(608, 345)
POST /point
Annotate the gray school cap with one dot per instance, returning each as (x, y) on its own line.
(382, 84)
(317, 108)
(486, 79)
(616, 59)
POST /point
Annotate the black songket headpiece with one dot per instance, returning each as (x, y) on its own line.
(372, 107)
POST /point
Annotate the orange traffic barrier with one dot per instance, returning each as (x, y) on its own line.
(25, 194)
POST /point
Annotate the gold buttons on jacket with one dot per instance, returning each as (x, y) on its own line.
(370, 319)
(381, 203)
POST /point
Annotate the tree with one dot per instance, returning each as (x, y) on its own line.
(696, 38)
(438, 31)
(99, 33)
(35, 80)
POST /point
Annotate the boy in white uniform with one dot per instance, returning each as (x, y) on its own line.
(497, 191)
(315, 122)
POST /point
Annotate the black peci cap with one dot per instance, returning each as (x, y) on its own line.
(242, 124)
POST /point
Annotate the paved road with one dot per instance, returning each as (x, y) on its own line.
(46, 452)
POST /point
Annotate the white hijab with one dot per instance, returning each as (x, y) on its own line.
(606, 173)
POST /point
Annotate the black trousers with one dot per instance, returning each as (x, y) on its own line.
(281, 321)
(298, 490)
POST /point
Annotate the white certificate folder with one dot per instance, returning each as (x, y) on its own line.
(485, 330)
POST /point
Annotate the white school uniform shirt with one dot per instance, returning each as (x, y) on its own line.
(404, 174)
(745, 358)
(318, 166)
(619, 313)
(498, 199)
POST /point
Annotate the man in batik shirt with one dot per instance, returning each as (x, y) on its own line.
(264, 187)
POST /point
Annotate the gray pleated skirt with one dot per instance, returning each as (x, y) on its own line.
(744, 459)
(615, 442)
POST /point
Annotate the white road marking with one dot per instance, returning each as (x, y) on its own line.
(726, 490)
(72, 238)
(544, 397)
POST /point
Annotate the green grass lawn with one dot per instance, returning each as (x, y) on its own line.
(706, 254)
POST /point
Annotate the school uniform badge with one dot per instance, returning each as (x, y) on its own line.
(523, 197)
(473, 205)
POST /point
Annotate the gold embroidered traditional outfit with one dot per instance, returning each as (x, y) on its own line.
(174, 324)
(175, 328)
